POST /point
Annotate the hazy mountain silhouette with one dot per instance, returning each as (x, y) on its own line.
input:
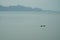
(18, 8)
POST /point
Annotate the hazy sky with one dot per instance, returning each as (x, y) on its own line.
(44, 4)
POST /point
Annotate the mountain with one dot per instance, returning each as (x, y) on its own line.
(18, 8)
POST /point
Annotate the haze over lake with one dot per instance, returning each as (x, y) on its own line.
(26, 25)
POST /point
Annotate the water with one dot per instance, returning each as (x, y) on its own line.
(26, 26)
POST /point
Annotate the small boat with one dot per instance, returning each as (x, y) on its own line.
(42, 25)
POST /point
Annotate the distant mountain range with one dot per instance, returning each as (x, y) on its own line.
(18, 8)
(23, 8)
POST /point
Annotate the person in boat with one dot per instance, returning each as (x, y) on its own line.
(42, 25)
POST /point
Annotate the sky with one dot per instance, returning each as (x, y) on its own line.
(43, 4)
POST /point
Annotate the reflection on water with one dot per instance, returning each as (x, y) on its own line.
(26, 26)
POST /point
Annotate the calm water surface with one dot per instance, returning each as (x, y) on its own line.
(26, 26)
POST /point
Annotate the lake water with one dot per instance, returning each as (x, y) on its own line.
(26, 26)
